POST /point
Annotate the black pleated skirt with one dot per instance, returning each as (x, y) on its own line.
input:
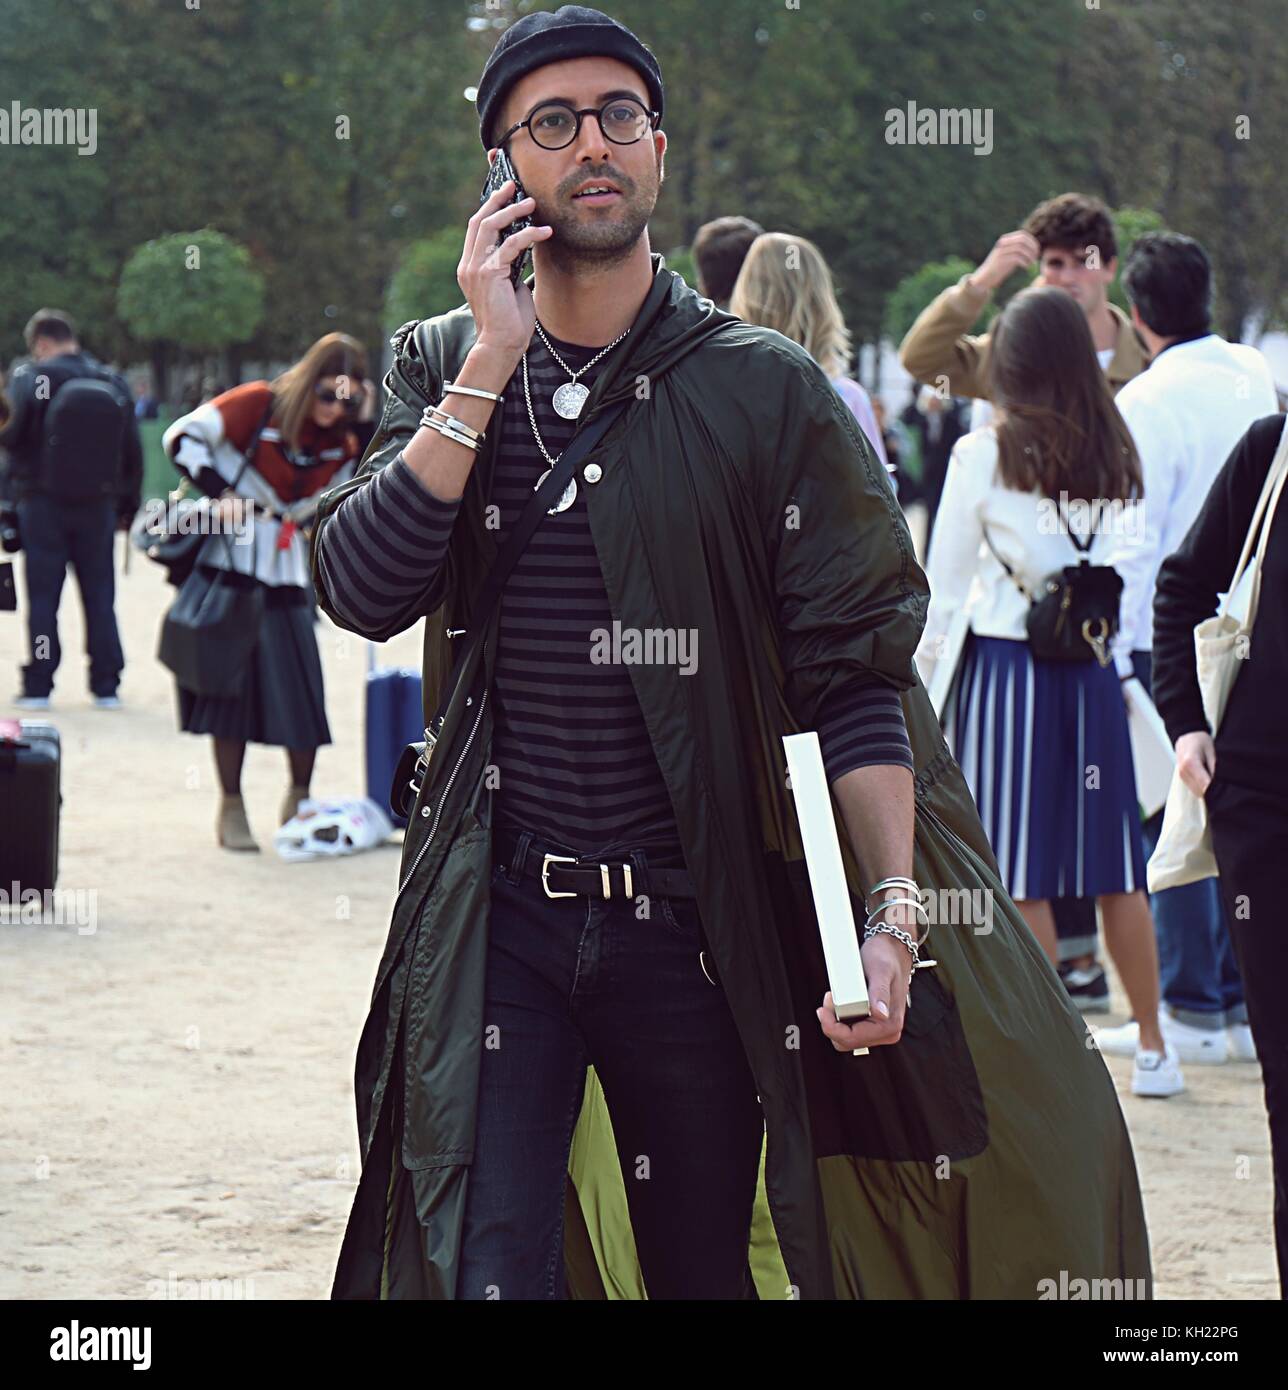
(281, 701)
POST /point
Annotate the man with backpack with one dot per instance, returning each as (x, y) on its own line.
(76, 473)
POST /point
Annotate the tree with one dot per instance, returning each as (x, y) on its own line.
(197, 291)
(914, 292)
(1129, 225)
(425, 281)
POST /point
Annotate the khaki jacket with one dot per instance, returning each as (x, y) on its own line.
(940, 344)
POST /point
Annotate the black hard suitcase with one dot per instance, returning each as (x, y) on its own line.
(30, 801)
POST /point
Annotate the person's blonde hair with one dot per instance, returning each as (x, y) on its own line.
(785, 284)
(334, 354)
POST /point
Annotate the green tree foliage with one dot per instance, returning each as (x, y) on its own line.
(425, 280)
(914, 292)
(329, 136)
(197, 290)
(1130, 223)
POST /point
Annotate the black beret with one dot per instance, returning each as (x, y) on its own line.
(572, 31)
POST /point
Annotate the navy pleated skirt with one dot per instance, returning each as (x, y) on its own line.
(281, 701)
(1045, 750)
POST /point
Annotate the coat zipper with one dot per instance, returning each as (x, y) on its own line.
(443, 800)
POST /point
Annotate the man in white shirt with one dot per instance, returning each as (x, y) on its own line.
(1186, 413)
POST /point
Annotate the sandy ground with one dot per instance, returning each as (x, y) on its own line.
(177, 1081)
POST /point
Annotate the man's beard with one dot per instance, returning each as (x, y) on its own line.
(585, 243)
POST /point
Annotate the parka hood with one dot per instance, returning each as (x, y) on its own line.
(673, 320)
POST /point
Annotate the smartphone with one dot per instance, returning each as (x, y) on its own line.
(500, 171)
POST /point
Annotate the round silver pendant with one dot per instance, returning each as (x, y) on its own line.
(566, 498)
(569, 399)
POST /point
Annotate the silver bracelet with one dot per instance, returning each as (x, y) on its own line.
(884, 928)
(900, 881)
(450, 386)
(459, 427)
(450, 433)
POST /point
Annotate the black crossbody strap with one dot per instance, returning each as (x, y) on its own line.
(516, 542)
(247, 455)
(1068, 531)
(1015, 579)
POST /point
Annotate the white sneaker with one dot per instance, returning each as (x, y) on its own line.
(1122, 1041)
(1157, 1073)
(107, 702)
(1239, 1039)
(1204, 1046)
(31, 702)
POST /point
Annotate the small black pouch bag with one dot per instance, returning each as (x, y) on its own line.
(1073, 616)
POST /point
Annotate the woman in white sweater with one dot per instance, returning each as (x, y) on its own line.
(1044, 744)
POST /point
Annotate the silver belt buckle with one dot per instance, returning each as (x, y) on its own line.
(545, 869)
(421, 766)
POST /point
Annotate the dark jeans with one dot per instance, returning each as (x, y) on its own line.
(56, 534)
(572, 981)
(1250, 840)
(1197, 970)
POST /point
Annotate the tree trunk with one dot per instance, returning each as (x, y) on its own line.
(160, 374)
(233, 365)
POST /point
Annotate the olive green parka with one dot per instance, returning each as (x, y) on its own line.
(980, 1155)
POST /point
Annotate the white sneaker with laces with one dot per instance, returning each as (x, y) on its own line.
(1122, 1041)
(1157, 1073)
(1239, 1038)
(1204, 1046)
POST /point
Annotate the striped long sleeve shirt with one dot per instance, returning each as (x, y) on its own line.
(575, 764)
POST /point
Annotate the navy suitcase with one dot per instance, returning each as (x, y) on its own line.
(394, 719)
(30, 802)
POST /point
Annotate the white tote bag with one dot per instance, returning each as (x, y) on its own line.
(1184, 851)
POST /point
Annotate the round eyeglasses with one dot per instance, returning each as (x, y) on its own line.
(554, 125)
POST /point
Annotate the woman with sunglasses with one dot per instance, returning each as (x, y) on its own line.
(267, 451)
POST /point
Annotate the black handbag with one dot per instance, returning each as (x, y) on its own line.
(1074, 614)
(414, 762)
(176, 543)
(211, 629)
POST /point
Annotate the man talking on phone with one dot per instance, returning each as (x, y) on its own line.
(600, 1041)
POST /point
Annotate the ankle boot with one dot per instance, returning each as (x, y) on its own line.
(291, 802)
(233, 827)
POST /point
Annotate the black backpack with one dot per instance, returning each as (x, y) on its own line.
(1073, 615)
(82, 444)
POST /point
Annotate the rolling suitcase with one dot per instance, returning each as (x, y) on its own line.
(394, 719)
(30, 802)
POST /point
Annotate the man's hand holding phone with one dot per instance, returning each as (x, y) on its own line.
(504, 318)
(504, 314)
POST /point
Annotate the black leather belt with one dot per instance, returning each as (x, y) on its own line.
(625, 875)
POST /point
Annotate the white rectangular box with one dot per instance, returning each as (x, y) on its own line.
(827, 878)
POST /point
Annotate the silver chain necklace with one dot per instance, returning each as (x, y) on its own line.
(569, 494)
(571, 396)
